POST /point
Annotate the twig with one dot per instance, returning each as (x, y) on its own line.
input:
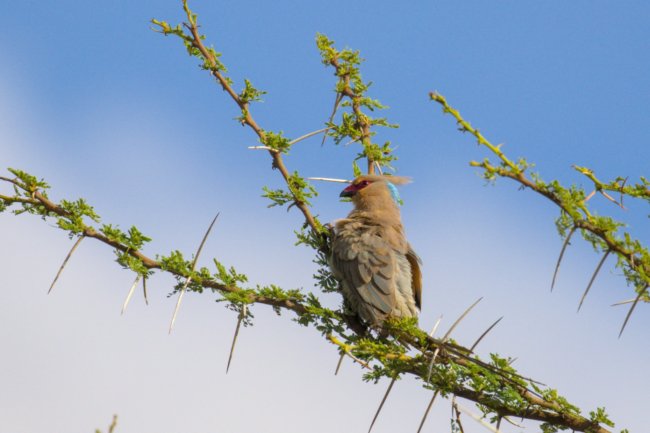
(455, 409)
(559, 259)
(187, 281)
(361, 120)
(346, 349)
(359, 361)
(242, 316)
(6, 179)
(149, 263)
(130, 294)
(593, 277)
(605, 237)
(111, 428)
(629, 313)
(72, 250)
(196, 40)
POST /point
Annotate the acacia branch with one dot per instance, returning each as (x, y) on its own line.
(361, 119)
(388, 358)
(355, 125)
(618, 185)
(601, 232)
(457, 371)
(212, 64)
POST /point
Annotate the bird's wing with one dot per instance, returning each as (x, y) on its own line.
(366, 263)
(416, 276)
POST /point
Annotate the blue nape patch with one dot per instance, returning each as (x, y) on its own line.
(394, 193)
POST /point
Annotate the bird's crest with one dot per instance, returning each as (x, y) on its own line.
(362, 182)
(391, 181)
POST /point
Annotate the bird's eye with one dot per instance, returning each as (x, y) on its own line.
(364, 183)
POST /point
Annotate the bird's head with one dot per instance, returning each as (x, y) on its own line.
(371, 191)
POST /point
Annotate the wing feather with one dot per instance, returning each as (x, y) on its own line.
(416, 275)
(365, 263)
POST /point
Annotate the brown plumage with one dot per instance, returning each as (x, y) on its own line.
(378, 270)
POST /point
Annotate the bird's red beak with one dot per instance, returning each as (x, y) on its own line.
(349, 191)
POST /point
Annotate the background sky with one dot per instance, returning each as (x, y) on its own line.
(103, 108)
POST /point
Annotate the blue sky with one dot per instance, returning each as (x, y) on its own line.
(103, 108)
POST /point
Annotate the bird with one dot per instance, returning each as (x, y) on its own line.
(378, 271)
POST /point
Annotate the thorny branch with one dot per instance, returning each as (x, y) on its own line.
(351, 92)
(456, 370)
(345, 90)
(601, 232)
(495, 386)
(211, 62)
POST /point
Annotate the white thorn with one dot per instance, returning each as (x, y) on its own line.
(329, 179)
(130, 294)
(311, 134)
(435, 327)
